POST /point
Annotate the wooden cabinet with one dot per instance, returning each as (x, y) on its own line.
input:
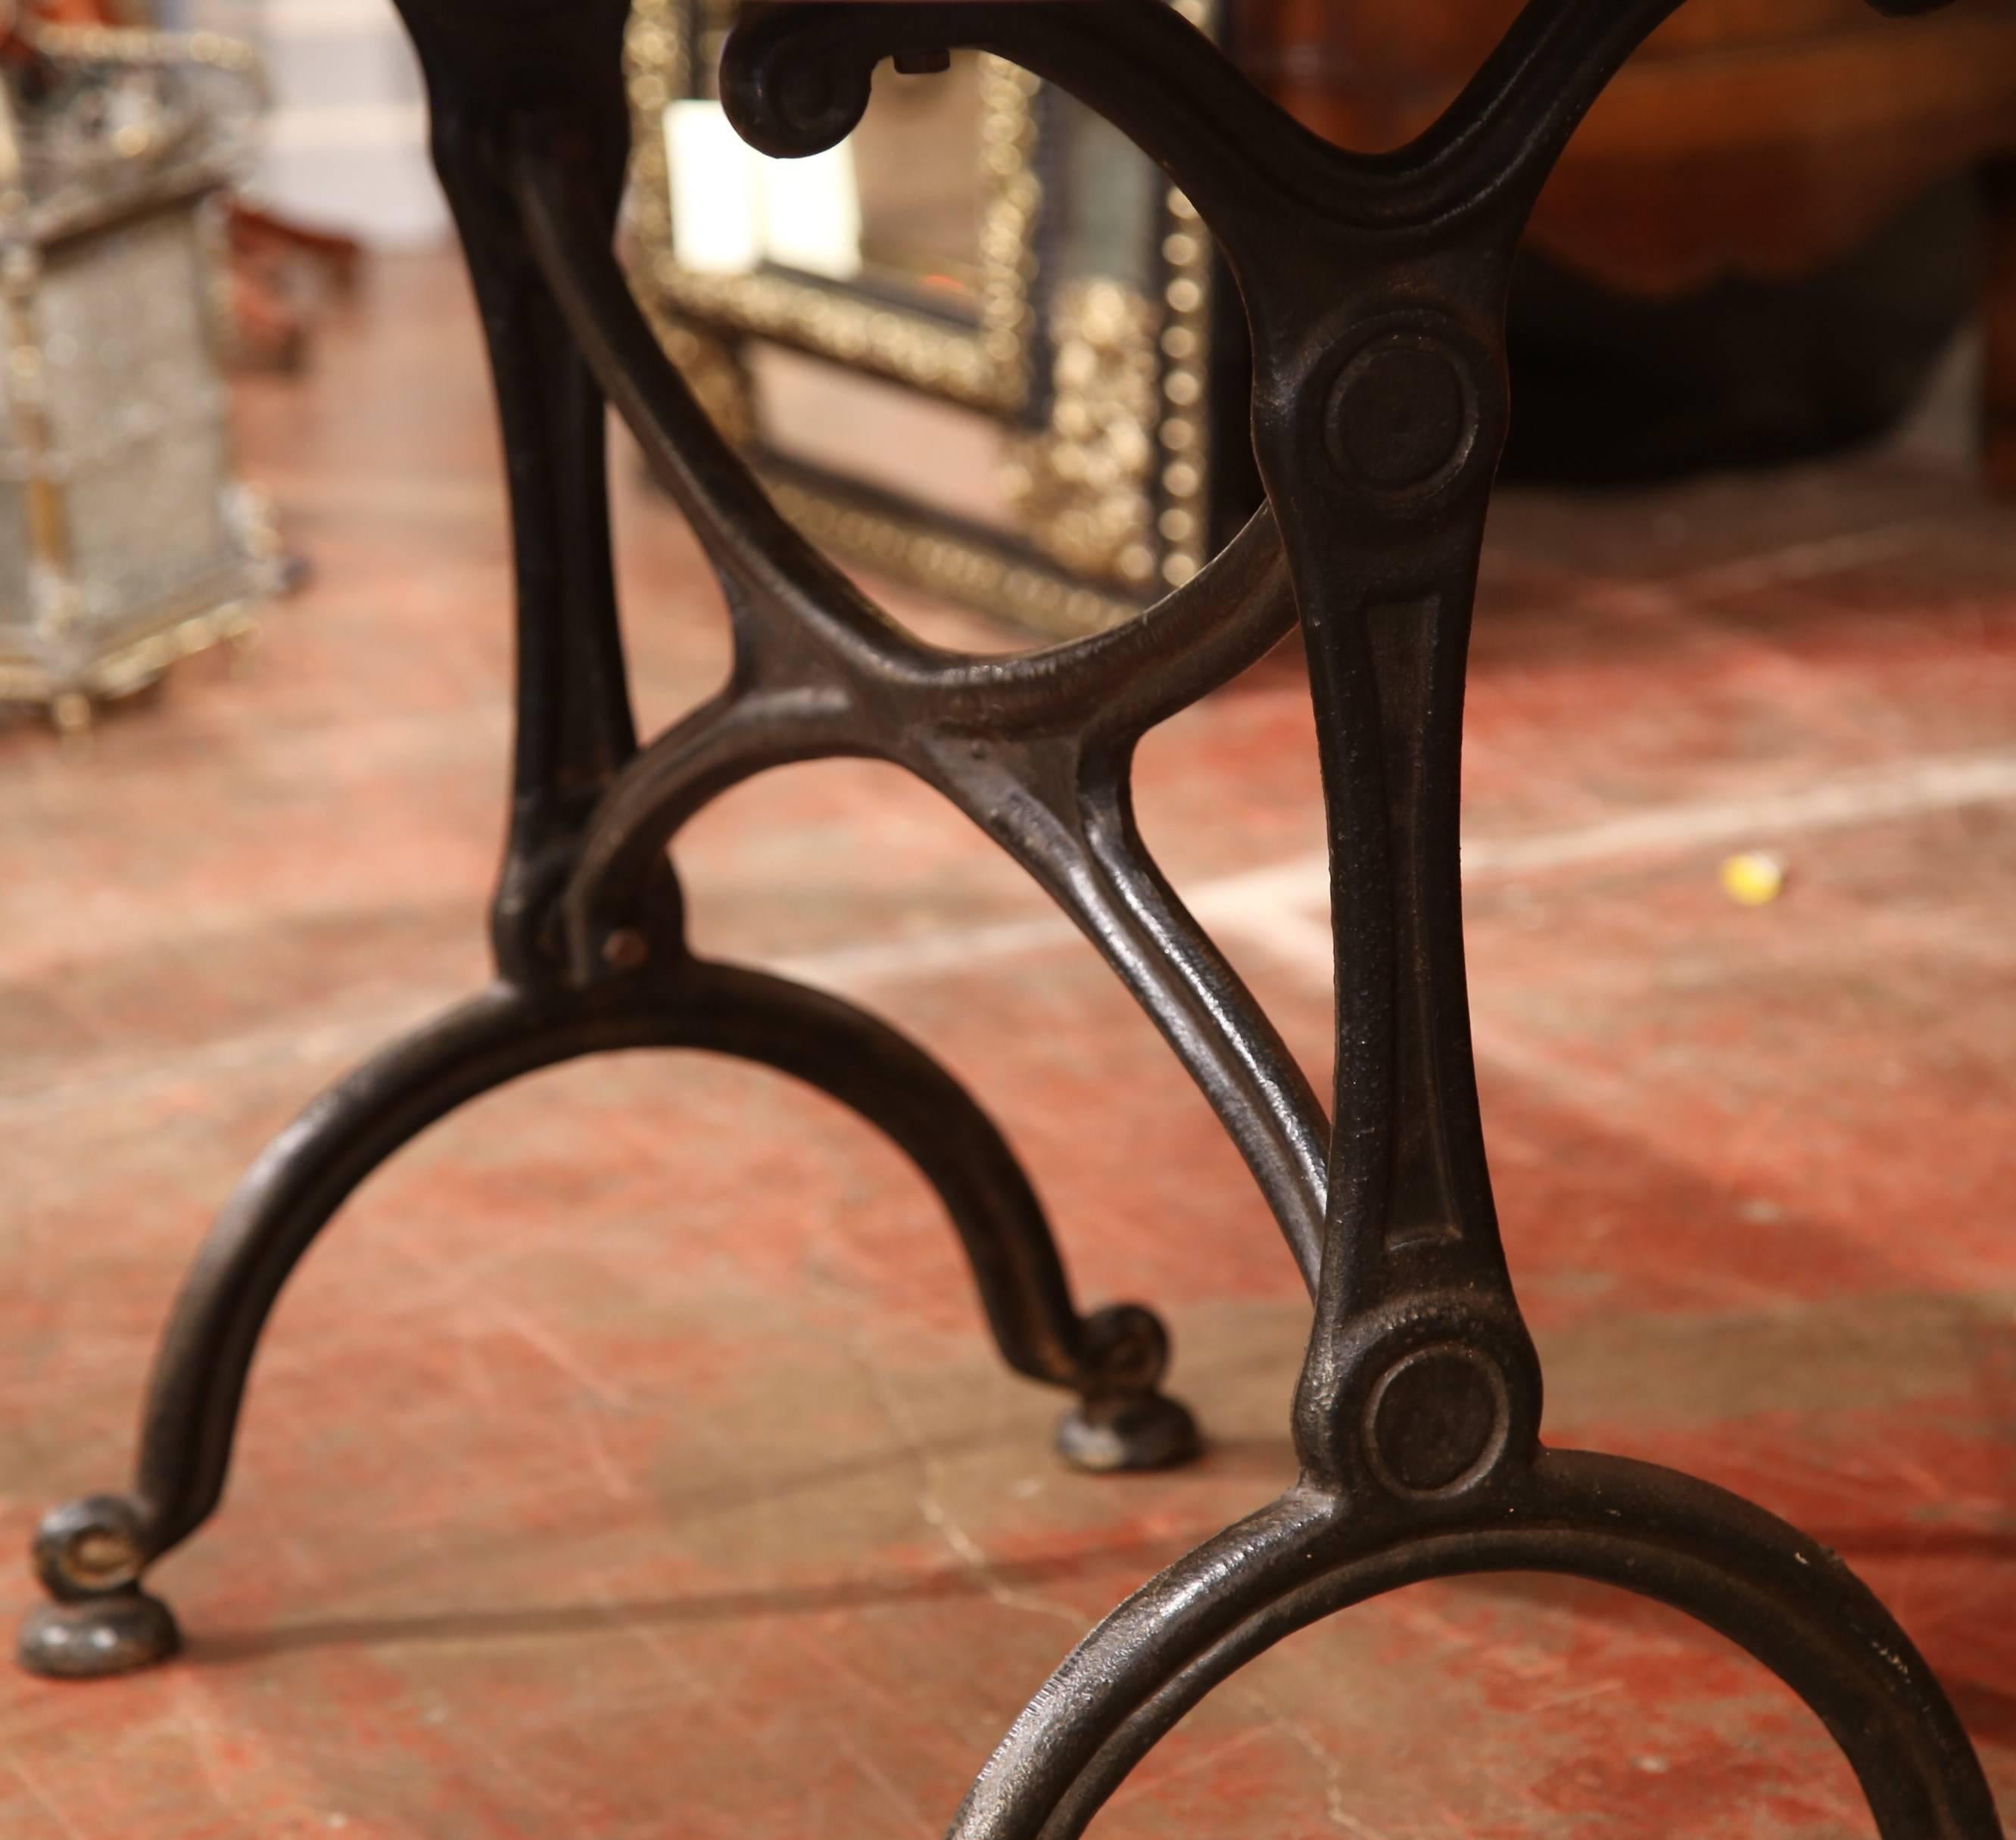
(1759, 139)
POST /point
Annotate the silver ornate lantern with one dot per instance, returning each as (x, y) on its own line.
(126, 540)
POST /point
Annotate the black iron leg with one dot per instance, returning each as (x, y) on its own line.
(637, 988)
(1375, 289)
(498, 95)
(91, 1554)
(1788, 1601)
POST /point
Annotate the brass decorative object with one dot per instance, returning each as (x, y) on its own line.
(126, 540)
(1083, 481)
(1096, 381)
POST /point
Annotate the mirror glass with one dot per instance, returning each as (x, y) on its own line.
(895, 211)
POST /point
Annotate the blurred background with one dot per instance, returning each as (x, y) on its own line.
(631, 1442)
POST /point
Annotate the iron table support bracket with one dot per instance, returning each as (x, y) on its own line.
(1375, 291)
(504, 106)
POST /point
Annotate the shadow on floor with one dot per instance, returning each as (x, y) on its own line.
(871, 1590)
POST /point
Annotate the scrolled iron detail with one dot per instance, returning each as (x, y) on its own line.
(94, 1547)
(790, 99)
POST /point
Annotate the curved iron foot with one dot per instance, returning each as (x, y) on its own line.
(1790, 1602)
(91, 1554)
(88, 1555)
(1121, 1420)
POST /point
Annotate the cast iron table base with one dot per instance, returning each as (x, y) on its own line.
(1375, 289)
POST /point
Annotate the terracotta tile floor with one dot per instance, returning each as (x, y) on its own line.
(628, 1461)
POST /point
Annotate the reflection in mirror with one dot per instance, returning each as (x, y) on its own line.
(892, 439)
(917, 159)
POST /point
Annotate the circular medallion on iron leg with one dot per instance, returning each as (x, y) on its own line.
(1406, 413)
(1437, 1421)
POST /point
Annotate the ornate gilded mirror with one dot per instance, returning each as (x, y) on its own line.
(985, 275)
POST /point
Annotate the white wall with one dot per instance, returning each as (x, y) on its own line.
(346, 145)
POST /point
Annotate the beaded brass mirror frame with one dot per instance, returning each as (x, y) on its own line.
(1375, 290)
